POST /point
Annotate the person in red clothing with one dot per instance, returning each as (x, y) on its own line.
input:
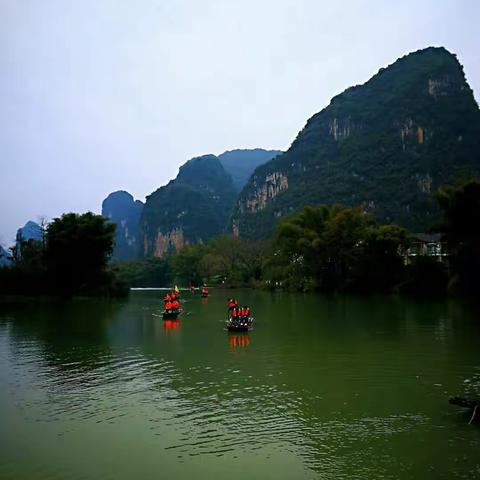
(168, 305)
(167, 297)
(234, 313)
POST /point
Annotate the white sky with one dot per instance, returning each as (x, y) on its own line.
(102, 95)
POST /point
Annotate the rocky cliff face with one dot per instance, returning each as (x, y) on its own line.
(190, 209)
(240, 164)
(125, 212)
(386, 145)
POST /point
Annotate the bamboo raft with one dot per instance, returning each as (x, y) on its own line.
(241, 324)
(171, 314)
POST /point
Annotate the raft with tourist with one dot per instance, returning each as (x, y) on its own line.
(240, 318)
(171, 305)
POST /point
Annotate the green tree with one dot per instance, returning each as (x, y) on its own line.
(380, 266)
(461, 230)
(296, 259)
(187, 264)
(342, 246)
(238, 261)
(335, 248)
(78, 248)
(224, 259)
(150, 272)
(425, 277)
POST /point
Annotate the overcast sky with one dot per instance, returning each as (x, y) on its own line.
(102, 95)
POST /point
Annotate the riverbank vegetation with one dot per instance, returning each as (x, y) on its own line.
(320, 248)
(72, 258)
(336, 249)
(224, 260)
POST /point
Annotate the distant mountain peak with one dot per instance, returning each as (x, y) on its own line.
(386, 145)
(241, 163)
(189, 209)
(30, 231)
(121, 208)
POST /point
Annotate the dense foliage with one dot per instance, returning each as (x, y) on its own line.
(324, 248)
(149, 272)
(335, 248)
(224, 260)
(386, 145)
(461, 228)
(71, 259)
(425, 277)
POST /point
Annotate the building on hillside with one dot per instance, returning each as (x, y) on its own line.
(425, 244)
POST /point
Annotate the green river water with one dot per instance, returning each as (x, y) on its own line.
(325, 387)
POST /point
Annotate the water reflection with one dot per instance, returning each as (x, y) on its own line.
(235, 340)
(344, 387)
(171, 325)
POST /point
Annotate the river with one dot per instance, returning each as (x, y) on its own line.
(325, 387)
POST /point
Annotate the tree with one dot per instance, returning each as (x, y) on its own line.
(238, 261)
(186, 264)
(296, 259)
(149, 272)
(78, 248)
(380, 265)
(335, 248)
(461, 229)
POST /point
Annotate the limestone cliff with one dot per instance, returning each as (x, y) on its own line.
(190, 209)
(241, 163)
(387, 145)
(125, 212)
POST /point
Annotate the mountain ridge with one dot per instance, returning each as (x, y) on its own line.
(121, 208)
(197, 204)
(240, 163)
(377, 144)
(190, 209)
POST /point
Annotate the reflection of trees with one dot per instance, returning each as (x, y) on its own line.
(463, 331)
(70, 334)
